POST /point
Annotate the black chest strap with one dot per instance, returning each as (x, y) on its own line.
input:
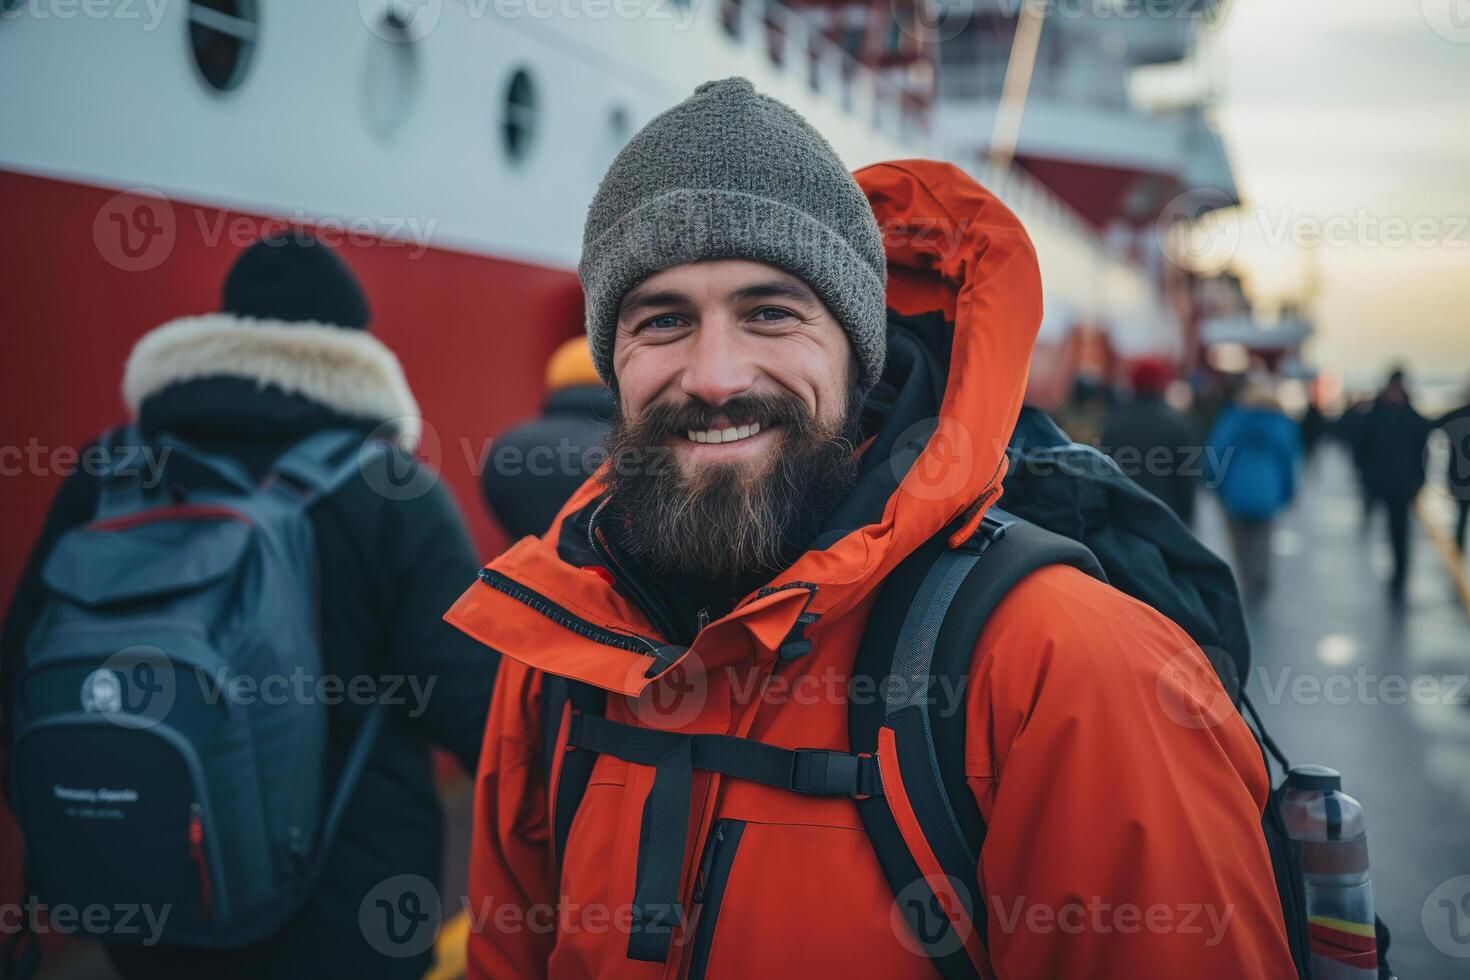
(666, 812)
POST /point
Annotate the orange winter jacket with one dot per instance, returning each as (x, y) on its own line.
(1121, 842)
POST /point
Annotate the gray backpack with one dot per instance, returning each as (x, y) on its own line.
(165, 755)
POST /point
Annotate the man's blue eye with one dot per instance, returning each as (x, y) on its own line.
(771, 314)
(664, 322)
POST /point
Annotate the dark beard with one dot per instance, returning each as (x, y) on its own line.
(724, 521)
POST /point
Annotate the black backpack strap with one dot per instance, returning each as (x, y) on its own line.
(584, 735)
(812, 772)
(1284, 852)
(920, 639)
(1385, 972)
(561, 700)
(353, 767)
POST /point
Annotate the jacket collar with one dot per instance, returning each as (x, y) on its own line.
(347, 371)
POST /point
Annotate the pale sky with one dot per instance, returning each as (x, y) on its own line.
(1353, 117)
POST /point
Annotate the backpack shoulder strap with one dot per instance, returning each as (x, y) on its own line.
(566, 773)
(322, 462)
(916, 653)
(353, 767)
(315, 467)
(134, 469)
(121, 479)
(138, 471)
(185, 466)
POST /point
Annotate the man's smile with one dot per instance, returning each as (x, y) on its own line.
(728, 442)
(732, 433)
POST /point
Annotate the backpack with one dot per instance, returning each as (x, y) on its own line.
(1067, 504)
(160, 758)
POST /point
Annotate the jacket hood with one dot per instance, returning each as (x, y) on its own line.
(347, 371)
(964, 294)
(963, 286)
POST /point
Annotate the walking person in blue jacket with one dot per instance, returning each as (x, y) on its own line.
(1252, 463)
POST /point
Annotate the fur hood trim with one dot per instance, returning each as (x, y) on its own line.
(348, 371)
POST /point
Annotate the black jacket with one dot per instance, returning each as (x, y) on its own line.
(1158, 448)
(537, 465)
(1456, 426)
(388, 566)
(1388, 441)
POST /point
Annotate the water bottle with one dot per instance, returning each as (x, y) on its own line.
(1328, 827)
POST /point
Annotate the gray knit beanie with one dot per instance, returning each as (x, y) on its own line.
(732, 173)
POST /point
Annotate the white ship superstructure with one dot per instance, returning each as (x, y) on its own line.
(453, 146)
(492, 121)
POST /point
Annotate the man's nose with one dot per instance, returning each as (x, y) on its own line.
(718, 368)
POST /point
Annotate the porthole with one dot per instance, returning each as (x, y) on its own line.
(518, 123)
(222, 36)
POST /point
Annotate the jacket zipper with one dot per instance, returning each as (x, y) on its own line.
(196, 854)
(567, 620)
(654, 609)
(709, 889)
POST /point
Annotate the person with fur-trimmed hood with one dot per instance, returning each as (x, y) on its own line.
(289, 355)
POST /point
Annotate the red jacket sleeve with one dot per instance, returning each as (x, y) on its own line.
(512, 888)
(1122, 793)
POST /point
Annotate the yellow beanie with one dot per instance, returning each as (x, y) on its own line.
(570, 365)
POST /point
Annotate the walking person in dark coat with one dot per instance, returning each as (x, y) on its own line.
(1254, 449)
(1314, 426)
(288, 356)
(535, 466)
(1351, 428)
(1154, 444)
(1390, 438)
(1456, 426)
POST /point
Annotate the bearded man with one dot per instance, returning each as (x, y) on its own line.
(661, 791)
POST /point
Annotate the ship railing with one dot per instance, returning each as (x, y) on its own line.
(792, 42)
(982, 79)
